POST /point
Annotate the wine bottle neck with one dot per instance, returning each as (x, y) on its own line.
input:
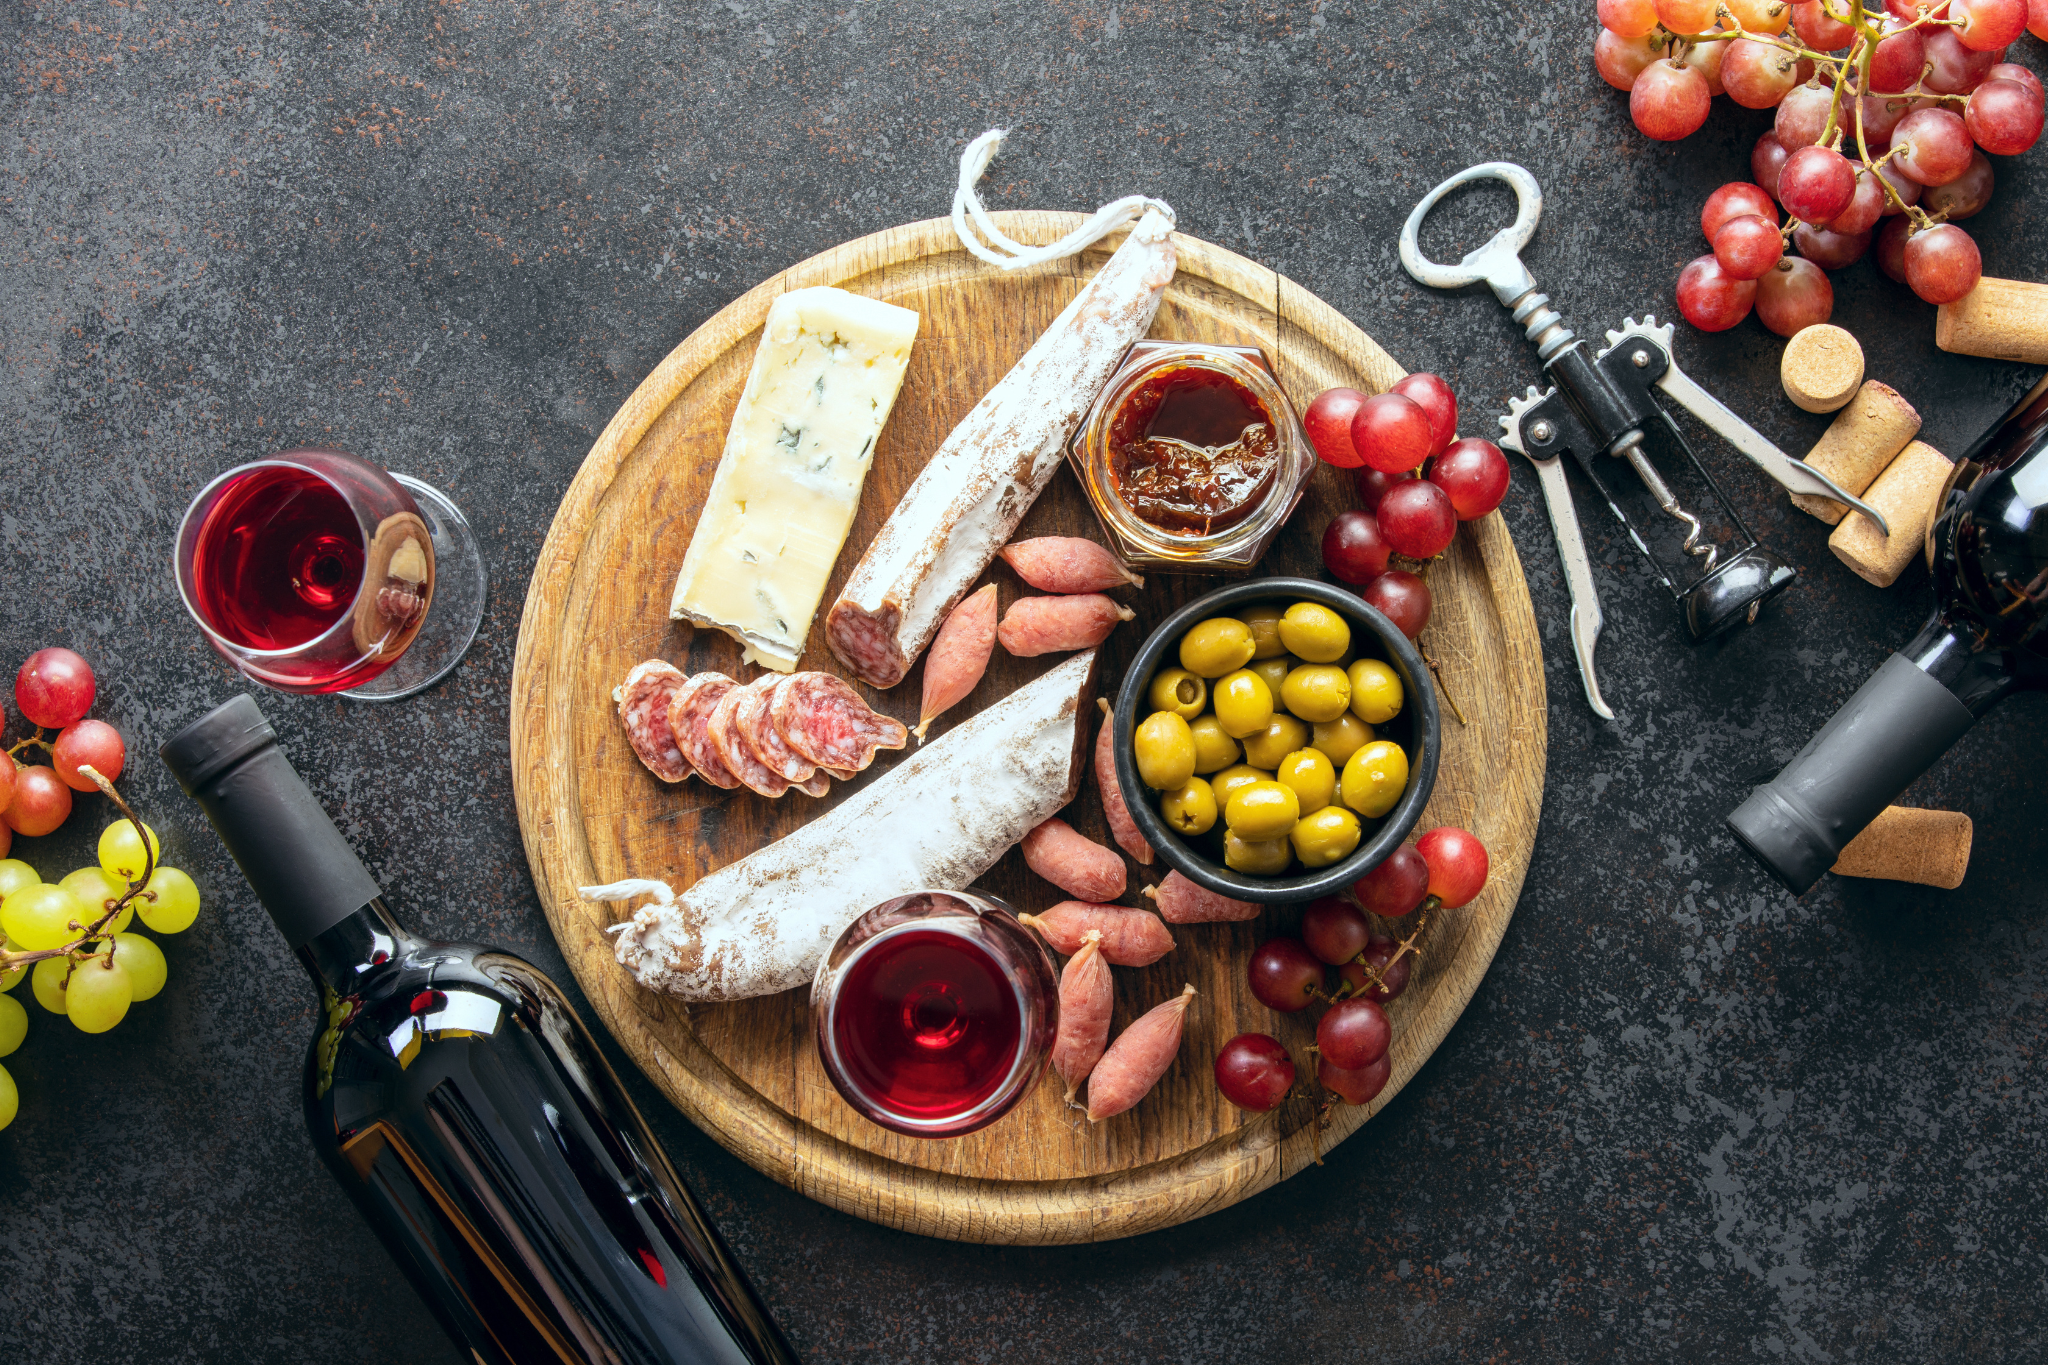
(340, 956)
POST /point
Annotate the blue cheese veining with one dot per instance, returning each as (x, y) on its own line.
(824, 379)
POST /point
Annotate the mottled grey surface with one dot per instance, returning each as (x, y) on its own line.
(1686, 1116)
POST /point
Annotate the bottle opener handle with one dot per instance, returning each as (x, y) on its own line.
(1499, 262)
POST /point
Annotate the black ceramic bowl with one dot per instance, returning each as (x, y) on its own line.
(1415, 730)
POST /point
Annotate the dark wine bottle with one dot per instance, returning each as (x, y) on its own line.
(468, 1113)
(1987, 638)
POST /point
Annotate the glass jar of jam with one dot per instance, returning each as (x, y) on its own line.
(1192, 456)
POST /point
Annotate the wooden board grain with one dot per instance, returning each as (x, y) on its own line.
(747, 1072)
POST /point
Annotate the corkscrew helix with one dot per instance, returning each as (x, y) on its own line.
(1600, 404)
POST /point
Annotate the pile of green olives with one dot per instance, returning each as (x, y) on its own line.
(1264, 735)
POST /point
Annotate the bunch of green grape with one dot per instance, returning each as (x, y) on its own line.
(85, 985)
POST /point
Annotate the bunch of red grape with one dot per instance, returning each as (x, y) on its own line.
(54, 690)
(1880, 115)
(1411, 508)
(1445, 869)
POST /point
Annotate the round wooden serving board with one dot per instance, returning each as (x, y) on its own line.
(747, 1073)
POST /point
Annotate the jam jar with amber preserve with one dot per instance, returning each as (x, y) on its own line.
(1192, 456)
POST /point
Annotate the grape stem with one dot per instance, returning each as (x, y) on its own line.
(34, 741)
(1438, 670)
(1373, 978)
(137, 890)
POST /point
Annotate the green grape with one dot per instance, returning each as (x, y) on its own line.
(13, 1024)
(47, 981)
(96, 889)
(144, 963)
(14, 875)
(121, 850)
(12, 978)
(41, 916)
(98, 996)
(10, 1100)
(170, 903)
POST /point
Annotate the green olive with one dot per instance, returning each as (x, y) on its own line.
(1274, 671)
(1325, 836)
(1238, 775)
(1220, 645)
(1375, 692)
(1259, 857)
(1190, 809)
(1281, 737)
(1178, 691)
(1214, 750)
(1261, 810)
(1244, 704)
(1310, 775)
(1264, 619)
(1314, 632)
(1342, 737)
(1375, 778)
(1316, 692)
(1165, 749)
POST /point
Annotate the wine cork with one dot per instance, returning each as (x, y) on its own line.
(1931, 847)
(1822, 367)
(1999, 320)
(1858, 444)
(1905, 494)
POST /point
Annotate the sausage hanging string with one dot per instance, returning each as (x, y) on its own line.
(626, 890)
(1003, 253)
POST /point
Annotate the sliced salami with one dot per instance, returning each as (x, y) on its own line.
(739, 759)
(757, 724)
(689, 717)
(644, 699)
(827, 723)
(818, 784)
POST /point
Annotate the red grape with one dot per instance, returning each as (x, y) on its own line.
(1391, 432)
(1760, 16)
(1374, 483)
(1736, 199)
(1758, 75)
(1354, 1033)
(2004, 117)
(6, 838)
(54, 688)
(1669, 101)
(1704, 58)
(1801, 116)
(1328, 423)
(1284, 974)
(1989, 25)
(1393, 971)
(2037, 19)
(7, 771)
(1396, 886)
(1866, 206)
(1435, 398)
(1794, 294)
(1620, 60)
(1895, 62)
(92, 742)
(1766, 163)
(1334, 929)
(1687, 16)
(1819, 29)
(1629, 18)
(1905, 189)
(1254, 1072)
(1354, 1087)
(1457, 864)
(1417, 519)
(2013, 71)
(1942, 263)
(1891, 248)
(1957, 69)
(1932, 146)
(41, 802)
(1710, 298)
(1965, 196)
(1878, 117)
(1475, 476)
(1830, 250)
(1816, 184)
(1354, 551)
(1748, 246)
(1402, 598)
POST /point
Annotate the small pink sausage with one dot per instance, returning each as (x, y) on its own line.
(1130, 938)
(1114, 810)
(1055, 625)
(1182, 902)
(1073, 862)
(958, 657)
(1067, 564)
(1137, 1059)
(1086, 999)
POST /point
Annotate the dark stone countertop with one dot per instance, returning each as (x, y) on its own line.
(1686, 1116)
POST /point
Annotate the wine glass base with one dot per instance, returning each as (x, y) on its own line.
(460, 586)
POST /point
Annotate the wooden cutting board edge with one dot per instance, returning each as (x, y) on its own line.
(1096, 1208)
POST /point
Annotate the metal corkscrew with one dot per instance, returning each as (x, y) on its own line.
(1600, 404)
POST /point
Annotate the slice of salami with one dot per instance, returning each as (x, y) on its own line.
(817, 785)
(843, 774)
(757, 725)
(739, 759)
(643, 700)
(827, 723)
(689, 716)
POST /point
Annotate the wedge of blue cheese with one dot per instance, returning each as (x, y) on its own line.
(824, 379)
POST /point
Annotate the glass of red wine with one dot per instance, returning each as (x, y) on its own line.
(316, 571)
(935, 1012)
